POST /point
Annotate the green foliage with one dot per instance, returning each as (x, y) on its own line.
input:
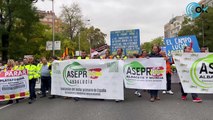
(72, 19)
(85, 36)
(148, 45)
(27, 36)
(195, 27)
(74, 30)
(96, 37)
(17, 20)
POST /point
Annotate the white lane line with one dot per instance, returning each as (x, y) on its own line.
(5, 106)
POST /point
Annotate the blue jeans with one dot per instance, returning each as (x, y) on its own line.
(32, 84)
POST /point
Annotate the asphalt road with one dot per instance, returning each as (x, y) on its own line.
(170, 107)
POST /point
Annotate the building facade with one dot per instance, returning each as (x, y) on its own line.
(172, 28)
(47, 19)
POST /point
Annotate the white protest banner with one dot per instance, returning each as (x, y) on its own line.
(14, 85)
(145, 73)
(195, 71)
(99, 79)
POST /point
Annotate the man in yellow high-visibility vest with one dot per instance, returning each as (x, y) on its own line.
(32, 75)
(39, 65)
(83, 55)
(119, 56)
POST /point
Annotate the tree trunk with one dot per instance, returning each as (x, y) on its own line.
(5, 35)
(5, 46)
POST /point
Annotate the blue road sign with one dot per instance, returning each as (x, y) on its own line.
(129, 40)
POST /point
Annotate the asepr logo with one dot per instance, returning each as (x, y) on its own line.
(135, 70)
(75, 74)
(194, 10)
(201, 72)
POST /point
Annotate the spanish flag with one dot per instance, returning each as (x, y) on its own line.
(95, 73)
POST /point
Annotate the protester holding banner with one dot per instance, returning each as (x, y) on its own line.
(10, 67)
(155, 53)
(144, 54)
(119, 56)
(168, 74)
(33, 75)
(130, 56)
(83, 55)
(107, 55)
(137, 92)
(195, 97)
(66, 58)
(17, 65)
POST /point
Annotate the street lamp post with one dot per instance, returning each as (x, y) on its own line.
(79, 44)
(203, 32)
(53, 28)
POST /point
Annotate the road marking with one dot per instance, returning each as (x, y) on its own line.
(5, 106)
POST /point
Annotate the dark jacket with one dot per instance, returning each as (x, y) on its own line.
(155, 55)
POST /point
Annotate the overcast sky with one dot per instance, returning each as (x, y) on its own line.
(149, 16)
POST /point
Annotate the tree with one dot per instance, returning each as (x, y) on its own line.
(96, 37)
(89, 37)
(196, 27)
(74, 29)
(15, 14)
(72, 19)
(148, 45)
(21, 33)
(32, 44)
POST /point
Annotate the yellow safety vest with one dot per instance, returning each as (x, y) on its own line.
(79, 58)
(32, 71)
(18, 67)
(39, 66)
(22, 67)
(122, 57)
